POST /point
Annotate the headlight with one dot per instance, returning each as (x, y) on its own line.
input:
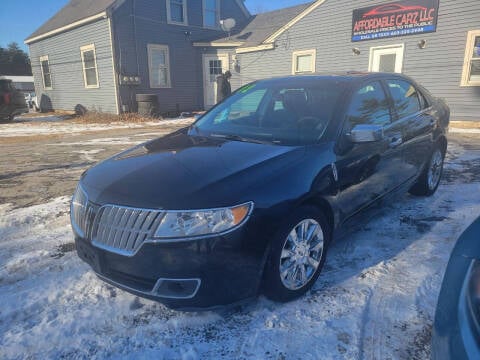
(184, 224)
(474, 290)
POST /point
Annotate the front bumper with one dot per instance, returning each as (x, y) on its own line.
(184, 275)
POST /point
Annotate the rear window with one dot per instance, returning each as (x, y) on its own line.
(405, 97)
(369, 106)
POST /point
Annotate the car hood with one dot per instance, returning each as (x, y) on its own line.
(180, 171)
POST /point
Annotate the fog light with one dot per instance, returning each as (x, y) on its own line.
(177, 288)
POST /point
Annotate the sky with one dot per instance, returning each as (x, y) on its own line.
(18, 19)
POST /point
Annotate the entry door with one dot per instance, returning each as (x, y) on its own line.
(387, 59)
(213, 66)
(368, 171)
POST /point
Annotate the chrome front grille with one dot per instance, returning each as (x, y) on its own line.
(119, 229)
(123, 230)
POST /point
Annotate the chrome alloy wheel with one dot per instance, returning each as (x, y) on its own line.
(435, 169)
(301, 254)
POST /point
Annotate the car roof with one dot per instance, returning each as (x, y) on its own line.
(351, 77)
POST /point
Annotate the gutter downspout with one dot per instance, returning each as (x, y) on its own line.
(114, 63)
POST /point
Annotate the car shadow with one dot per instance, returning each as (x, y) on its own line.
(388, 232)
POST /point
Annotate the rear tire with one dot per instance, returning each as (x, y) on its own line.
(297, 255)
(429, 180)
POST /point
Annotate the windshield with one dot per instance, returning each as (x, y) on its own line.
(279, 113)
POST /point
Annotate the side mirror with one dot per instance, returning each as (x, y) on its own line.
(365, 133)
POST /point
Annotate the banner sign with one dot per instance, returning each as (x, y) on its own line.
(401, 18)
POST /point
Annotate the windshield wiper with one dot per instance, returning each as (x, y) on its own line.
(240, 138)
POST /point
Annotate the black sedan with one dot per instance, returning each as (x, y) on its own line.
(457, 318)
(250, 196)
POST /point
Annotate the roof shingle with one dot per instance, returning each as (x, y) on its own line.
(74, 11)
(262, 26)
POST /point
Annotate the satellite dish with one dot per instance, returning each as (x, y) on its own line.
(228, 24)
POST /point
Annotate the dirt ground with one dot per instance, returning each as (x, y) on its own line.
(37, 168)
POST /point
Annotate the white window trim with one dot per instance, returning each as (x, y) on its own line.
(217, 20)
(185, 14)
(150, 48)
(83, 50)
(400, 47)
(45, 58)
(296, 54)
(467, 62)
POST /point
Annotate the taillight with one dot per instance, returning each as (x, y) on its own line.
(7, 98)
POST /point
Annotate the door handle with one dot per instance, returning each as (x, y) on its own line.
(395, 142)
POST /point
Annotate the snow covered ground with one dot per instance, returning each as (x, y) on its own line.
(55, 125)
(374, 300)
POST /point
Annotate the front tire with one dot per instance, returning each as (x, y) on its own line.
(429, 180)
(297, 255)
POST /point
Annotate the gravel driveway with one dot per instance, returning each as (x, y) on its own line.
(45, 160)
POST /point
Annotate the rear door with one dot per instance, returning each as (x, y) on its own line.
(368, 171)
(414, 117)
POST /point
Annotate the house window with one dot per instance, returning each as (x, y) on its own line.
(211, 13)
(304, 62)
(159, 66)
(471, 65)
(177, 11)
(46, 74)
(90, 71)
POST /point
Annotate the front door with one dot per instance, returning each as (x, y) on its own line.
(213, 66)
(387, 59)
(368, 171)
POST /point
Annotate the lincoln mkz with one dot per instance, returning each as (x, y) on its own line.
(248, 199)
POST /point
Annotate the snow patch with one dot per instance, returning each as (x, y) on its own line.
(65, 127)
(375, 298)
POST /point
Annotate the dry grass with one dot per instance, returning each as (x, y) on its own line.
(93, 117)
(33, 115)
(465, 124)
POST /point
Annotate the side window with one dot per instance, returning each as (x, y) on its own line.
(177, 12)
(369, 105)
(46, 73)
(90, 71)
(211, 13)
(405, 97)
(159, 66)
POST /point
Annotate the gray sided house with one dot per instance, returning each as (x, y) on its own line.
(437, 42)
(98, 54)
